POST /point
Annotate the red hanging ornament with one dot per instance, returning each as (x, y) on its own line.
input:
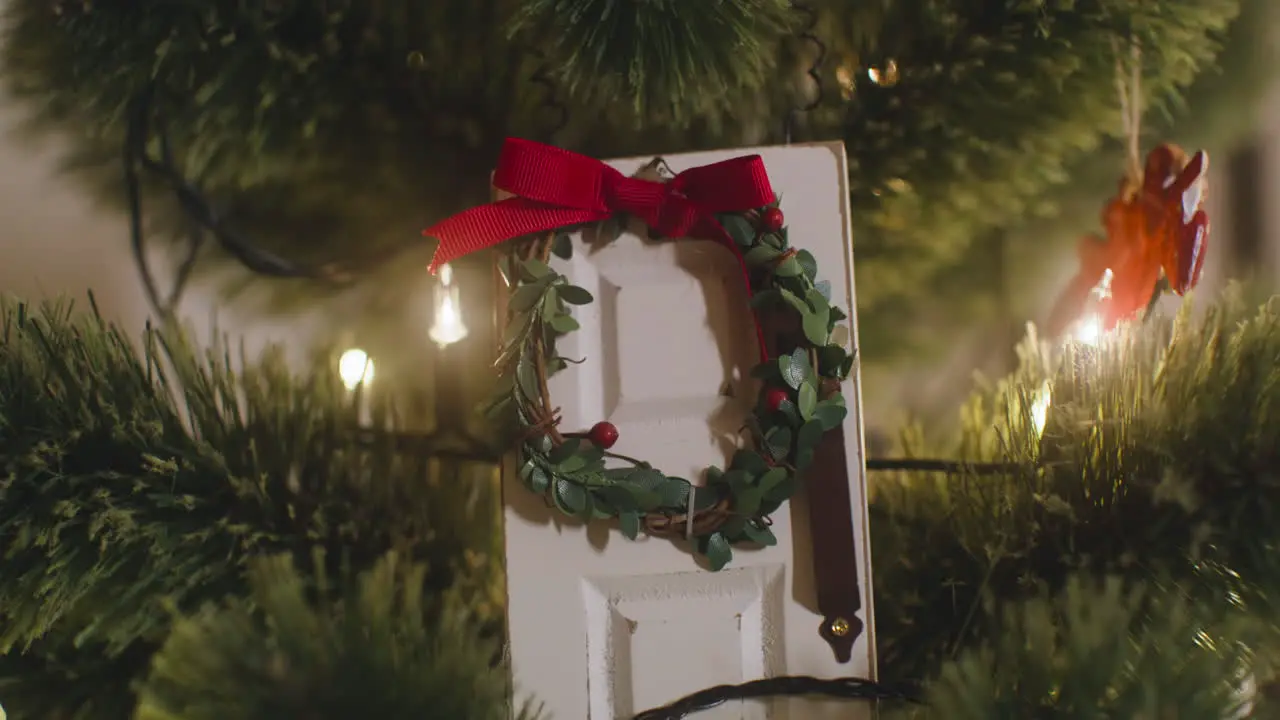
(774, 397)
(772, 219)
(603, 435)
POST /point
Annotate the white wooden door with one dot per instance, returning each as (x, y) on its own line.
(601, 627)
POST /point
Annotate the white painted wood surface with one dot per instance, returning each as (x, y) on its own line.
(602, 627)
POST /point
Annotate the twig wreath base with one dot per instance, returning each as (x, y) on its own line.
(799, 399)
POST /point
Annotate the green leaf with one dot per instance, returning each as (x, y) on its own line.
(534, 269)
(747, 502)
(527, 377)
(674, 492)
(771, 479)
(788, 268)
(629, 523)
(647, 479)
(809, 436)
(824, 287)
(800, 358)
(829, 359)
(570, 497)
(767, 297)
(830, 414)
(794, 301)
(749, 461)
(761, 255)
(739, 228)
(759, 534)
(516, 329)
(792, 374)
(815, 328)
(563, 323)
(807, 263)
(783, 490)
(737, 480)
(778, 441)
(808, 400)
(538, 480)
(562, 246)
(526, 296)
(718, 551)
(574, 295)
(565, 450)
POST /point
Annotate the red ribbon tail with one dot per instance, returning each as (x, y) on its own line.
(490, 225)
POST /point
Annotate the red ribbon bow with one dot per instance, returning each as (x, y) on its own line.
(556, 188)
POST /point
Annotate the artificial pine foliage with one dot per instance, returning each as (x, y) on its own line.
(1156, 465)
(385, 650)
(139, 481)
(311, 124)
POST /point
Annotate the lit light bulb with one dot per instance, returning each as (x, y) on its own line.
(1040, 407)
(1089, 330)
(448, 327)
(355, 368)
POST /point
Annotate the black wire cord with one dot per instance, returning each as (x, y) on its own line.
(201, 216)
(791, 685)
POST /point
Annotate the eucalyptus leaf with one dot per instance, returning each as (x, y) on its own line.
(527, 377)
(647, 479)
(718, 551)
(749, 461)
(737, 480)
(674, 492)
(550, 305)
(783, 490)
(824, 287)
(534, 269)
(516, 330)
(840, 336)
(766, 298)
(792, 374)
(815, 328)
(830, 414)
(566, 450)
(629, 524)
(808, 400)
(829, 359)
(761, 255)
(570, 497)
(574, 295)
(778, 439)
(771, 479)
(572, 464)
(563, 323)
(526, 297)
(807, 263)
(809, 436)
(759, 534)
(538, 480)
(562, 246)
(747, 502)
(739, 228)
(800, 358)
(794, 301)
(788, 268)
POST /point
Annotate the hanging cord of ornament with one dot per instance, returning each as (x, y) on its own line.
(814, 73)
(839, 688)
(200, 215)
(1129, 88)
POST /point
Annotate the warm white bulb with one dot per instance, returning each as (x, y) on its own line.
(1089, 330)
(445, 274)
(448, 328)
(1040, 407)
(355, 367)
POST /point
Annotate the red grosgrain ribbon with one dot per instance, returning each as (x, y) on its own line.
(555, 188)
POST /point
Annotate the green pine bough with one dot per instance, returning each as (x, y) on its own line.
(799, 400)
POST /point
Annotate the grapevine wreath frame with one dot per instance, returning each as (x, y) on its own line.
(799, 397)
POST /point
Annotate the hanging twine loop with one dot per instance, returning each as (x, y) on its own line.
(1129, 87)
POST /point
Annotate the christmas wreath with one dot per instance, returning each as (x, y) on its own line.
(799, 399)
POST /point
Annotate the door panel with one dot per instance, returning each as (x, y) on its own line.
(602, 627)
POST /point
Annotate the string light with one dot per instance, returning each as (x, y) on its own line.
(448, 327)
(1040, 407)
(1088, 330)
(355, 368)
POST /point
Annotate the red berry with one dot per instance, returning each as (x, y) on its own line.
(772, 219)
(774, 397)
(603, 435)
